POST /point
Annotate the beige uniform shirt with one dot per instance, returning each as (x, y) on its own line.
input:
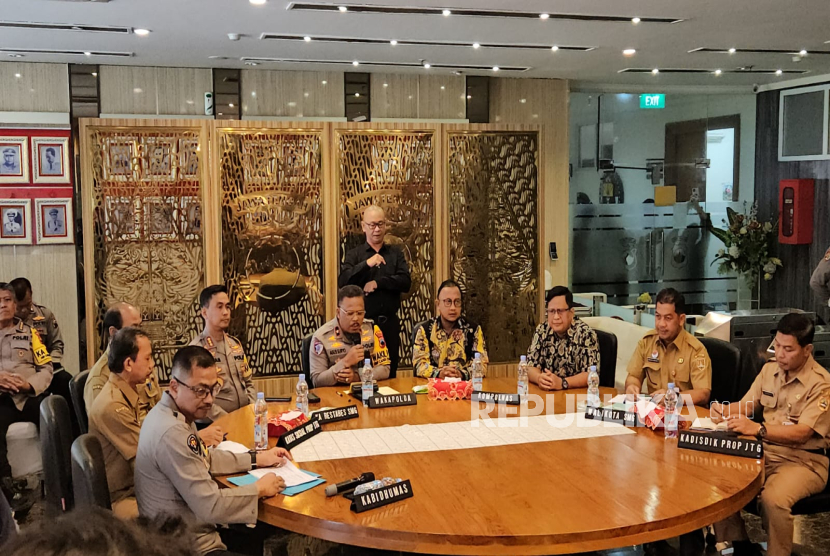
(684, 362)
(115, 422)
(99, 375)
(22, 353)
(234, 372)
(329, 345)
(43, 320)
(173, 476)
(820, 280)
(803, 399)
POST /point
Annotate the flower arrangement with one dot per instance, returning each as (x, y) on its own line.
(746, 243)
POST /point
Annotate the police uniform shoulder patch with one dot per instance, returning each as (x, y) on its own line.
(827, 255)
(824, 400)
(318, 346)
(193, 444)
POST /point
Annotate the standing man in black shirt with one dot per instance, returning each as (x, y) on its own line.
(382, 272)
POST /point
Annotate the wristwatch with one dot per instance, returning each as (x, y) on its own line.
(762, 433)
(252, 453)
(565, 384)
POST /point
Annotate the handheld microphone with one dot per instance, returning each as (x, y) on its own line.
(351, 484)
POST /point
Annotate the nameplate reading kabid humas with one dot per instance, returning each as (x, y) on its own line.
(498, 397)
(394, 400)
(620, 416)
(336, 414)
(299, 435)
(721, 443)
(382, 496)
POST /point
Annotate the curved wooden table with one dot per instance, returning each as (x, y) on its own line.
(542, 498)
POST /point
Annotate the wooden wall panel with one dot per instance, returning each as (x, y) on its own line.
(418, 96)
(149, 90)
(52, 271)
(543, 102)
(394, 95)
(791, 285)
(300, 94)
(40, 87)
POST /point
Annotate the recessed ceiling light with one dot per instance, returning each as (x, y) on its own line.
(446, 13)
(410, 97)
(292, 104)
(230, 104)
(141, 32)
(137, 90)
(94, 74)
(357, 94)
(355, 63)
(305, 94)
(802, 53)
(779, 72)
(343, 9)
(524, 100)
(393, 42)
(189, 101)
(17, 75)
(718, 72)
(307, 38)
(476, 45)
(426, 65)
(257, 2)
(324, 82)
(655, 71)
(253, 94)
(469, 97)
(554, 48)
(635, 20)
(386, 84)
(442, 87)
(732, 50)
(629, 52)
(87, 53)
(495, 68)
(544, 16)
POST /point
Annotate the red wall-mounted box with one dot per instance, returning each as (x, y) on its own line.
(795, 211)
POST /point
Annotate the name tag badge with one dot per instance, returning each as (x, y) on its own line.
(765, 393)
(655, 357)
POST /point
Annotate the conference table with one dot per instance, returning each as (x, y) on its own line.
(556, 497)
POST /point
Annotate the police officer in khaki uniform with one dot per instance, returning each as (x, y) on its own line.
(670, 354)
(820, 280)
(25, 374)
(793, 394)
(234, 371)
(40, 318)
(120, 315)
(340, 346)
(174, 468)
(115, 420)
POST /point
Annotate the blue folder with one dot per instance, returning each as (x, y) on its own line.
(249, 479)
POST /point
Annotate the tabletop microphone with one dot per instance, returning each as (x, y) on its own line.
(351, 484)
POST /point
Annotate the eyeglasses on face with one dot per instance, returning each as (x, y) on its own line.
(351, 314)
(200, 392)
(375, 225)
(450, 302)
(557, 312)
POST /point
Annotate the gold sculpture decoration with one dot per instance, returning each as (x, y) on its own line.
(494, 230)
(393, 170)
(272, 263)
(148, 231)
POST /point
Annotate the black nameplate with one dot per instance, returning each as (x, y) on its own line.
(721, 443)
(497, 397)
(336, 414)
(382, 496)
(298, 435)
(394, 400)
(620, 416)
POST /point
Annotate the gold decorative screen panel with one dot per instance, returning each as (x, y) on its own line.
(393, 169)
(147, 222)
(272, 247)
(494, 231)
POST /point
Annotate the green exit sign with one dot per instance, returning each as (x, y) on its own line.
(652, 101)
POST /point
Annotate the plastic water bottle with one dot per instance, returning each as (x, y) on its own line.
(522, 379)
(261, 422)
(477, 373)
(593, 387)
(302, 395)
(670, 417)
(367, 389)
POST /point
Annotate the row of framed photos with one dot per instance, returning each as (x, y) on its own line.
(50, 159)
(53, 222)
(162, 158)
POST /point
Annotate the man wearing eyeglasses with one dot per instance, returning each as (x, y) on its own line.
(563, 348)
(446, 345)
(381, 271)
(340, 346)
(174, 468)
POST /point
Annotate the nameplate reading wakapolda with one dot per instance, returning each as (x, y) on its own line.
(497, 397)
(619, 416)
(298, 435)
(721, 443)
(393, 400)
(336, 414)
(382, 496)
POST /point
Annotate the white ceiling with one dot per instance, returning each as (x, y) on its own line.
(187, 32)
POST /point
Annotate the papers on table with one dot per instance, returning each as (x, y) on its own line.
(230, 446)
(706, 423)
(288, 471)
(386, 391)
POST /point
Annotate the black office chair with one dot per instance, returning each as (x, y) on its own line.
(55, 444)
(726, 369)
(305, 358)
(89, 474)
(607, 357)
(76, 390)
(417, 327)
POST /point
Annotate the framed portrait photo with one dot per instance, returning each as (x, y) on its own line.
(189, 158)
(192, 210)
(50, 159)
(14, 160)
(159, 218)
(54, 221)
(122, 217)
(119, 159)
(16, 225)
(158, 155)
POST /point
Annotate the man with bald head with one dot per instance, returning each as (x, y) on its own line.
(381, 271)
(120, 315)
